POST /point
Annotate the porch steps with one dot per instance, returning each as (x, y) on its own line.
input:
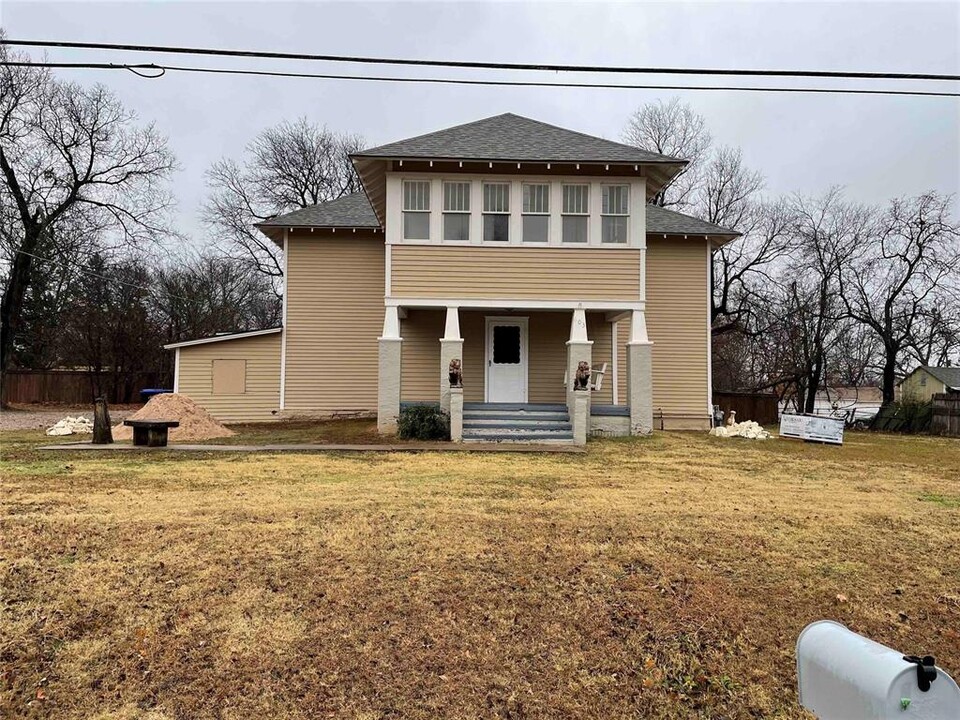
(516, 422)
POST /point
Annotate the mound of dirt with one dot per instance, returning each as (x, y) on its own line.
(195, 422)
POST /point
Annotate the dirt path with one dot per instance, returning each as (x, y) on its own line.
(35, 417)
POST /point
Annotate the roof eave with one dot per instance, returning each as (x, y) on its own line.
(222, 338)
(538, 161)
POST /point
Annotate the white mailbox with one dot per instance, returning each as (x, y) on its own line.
(845, 676)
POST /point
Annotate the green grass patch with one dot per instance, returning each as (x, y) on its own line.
(950, 501)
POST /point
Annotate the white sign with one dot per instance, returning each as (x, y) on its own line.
(824, 429)
(813, 428)
(793, 425)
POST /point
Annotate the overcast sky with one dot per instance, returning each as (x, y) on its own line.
(877, 147)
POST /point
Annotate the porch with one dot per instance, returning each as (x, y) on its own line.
(519, 368)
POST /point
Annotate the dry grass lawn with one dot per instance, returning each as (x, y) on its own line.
(658, 578)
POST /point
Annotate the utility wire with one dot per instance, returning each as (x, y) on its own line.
(480, 65)
(160, 70)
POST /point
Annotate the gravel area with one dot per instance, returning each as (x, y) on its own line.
(37, 417)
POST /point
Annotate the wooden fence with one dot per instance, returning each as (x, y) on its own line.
(759, 407)
(946, 415)
(73, 387)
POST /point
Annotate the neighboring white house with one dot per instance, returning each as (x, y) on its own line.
(863, 402)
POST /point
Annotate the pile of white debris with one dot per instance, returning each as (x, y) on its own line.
(71, 426)
(746, 429)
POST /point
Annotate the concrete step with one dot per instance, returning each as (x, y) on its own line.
(517, 417)
(517, 423)
(515, 407)
(533, 437)
(517, 431)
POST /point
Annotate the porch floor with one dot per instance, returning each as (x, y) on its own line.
(595, 408)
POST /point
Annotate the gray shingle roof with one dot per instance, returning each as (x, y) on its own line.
(512, 137)
(670, 222)
(355, 211)
(949, 376)
(351, 211)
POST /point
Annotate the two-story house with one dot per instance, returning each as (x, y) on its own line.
(517, 247)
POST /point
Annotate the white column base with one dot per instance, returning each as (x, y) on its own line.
(580, 416)
(640, 387)
(456, 414)
(449, 350)
(388, 385)
(577, 351)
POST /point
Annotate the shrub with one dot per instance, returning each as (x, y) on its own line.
(423, 422)
(905, 417)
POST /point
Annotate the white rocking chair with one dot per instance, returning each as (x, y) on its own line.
(596, 377)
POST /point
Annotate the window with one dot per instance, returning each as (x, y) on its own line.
(576, 212)
(456, 211)
(614, 213)
(536, 213)
(229, 377)
(506, 344)
(496, 212)
(416, 210)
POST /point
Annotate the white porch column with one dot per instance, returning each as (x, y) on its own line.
(451, 348)
(639, 376)
(388, 379)
(579, 349)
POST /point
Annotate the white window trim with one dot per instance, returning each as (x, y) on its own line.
(431, 234)
(626, 215)
(444, 211)
(636, 231)
(548, 214)
(511, 212)
(591, 196)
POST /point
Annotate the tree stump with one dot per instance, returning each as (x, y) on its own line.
(102, 430)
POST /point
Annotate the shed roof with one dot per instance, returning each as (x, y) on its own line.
(349, 211)
(949, 376)
(671, 222)
(222, 337)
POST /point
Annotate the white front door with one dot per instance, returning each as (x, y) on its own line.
(507, 355)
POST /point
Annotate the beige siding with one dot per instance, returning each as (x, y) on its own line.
(598, 330)
(335, 285)
(920, 386)
(261, 383)
(677, 304)
(516, 272)
(549, 331)
(421, 331)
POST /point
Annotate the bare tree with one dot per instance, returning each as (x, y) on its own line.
(674, 129)
(69, 155)
(827, 229)
(913, 254)
(287, 167)
(935, 339)
(202, 294)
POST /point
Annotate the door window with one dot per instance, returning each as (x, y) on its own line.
(506, 344)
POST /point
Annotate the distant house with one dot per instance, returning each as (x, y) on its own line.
(926, 381)
(862, 401)
(515, 246)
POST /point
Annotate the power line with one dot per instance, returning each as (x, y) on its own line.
(479, 65)
(162, 69)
